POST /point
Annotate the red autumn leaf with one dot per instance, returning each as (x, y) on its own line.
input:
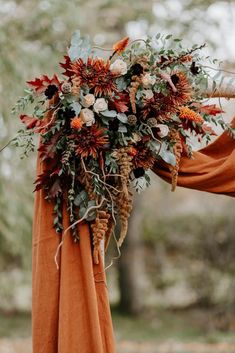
(67, 66)
(55, 189)
(120, 103)
(48, 150)
(42, 180)
(29, 121)
(40, 84)
(120, 106)
(48, 180)
(211, 109)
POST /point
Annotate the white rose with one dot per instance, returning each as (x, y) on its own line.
(87, 116)
(88, 100)
(164, 130)
(118, 67)
(100, 105)
(148, 93)
(148, 80)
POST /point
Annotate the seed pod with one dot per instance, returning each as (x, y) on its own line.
(152, 122)
(132, 120)
(66, 87)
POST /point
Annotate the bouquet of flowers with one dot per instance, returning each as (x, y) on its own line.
(105, 123)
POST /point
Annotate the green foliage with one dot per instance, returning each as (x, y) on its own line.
(33, 35)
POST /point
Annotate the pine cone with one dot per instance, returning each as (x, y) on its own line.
(132, 120)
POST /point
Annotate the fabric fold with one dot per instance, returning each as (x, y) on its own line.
(211, 169)
(70, 305)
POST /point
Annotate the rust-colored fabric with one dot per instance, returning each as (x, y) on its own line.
(70, 306)
(211, 169)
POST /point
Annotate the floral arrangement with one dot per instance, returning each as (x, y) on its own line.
(108, 120)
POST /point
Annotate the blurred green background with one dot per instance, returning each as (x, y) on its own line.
(173, 290)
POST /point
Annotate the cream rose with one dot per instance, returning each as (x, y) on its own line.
(88, 100)
(87, 116)
(148, 80)
(148, 93)
(100, 105)
(118, 67)
(164, 130)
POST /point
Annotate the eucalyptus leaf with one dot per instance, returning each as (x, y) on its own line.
(121, 83)
(122, 128)
(109, 113)
(76, 107)
(82, 197)
(122, 117)
(80, 47)
(167, 155)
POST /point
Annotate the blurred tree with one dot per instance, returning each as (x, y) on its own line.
(33, 37)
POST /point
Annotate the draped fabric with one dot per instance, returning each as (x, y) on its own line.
(70, 306)
(211, 169)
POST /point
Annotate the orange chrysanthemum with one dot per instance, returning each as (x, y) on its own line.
(90, 141)
(95, 73)
(186, 113)
(121, 45)
(161, 106)
(183, 91)
(76, 123)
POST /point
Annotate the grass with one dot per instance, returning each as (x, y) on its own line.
(164, 325)
(14, 325)
(155, 325)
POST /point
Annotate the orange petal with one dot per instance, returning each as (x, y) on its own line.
(121, 45)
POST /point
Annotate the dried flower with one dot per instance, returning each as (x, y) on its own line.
(87, 116)
(148, 93)
(90, 141)
(118, 67)
(88, 100)
(186, 113)
(132, 119)
(137, 69)
(182, 95)
(96, 74)
(144, 157)
(100, 105)
(148, 80)
(136, 137)
(50, 91)
(121, 45)
(66, 87)
(152, 122)
(163, 130)
(76, 123)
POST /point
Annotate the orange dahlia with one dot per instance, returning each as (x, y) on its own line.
(183, 90)
(96, 74)
(186, 113)
(76, 123)
(90, 141)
